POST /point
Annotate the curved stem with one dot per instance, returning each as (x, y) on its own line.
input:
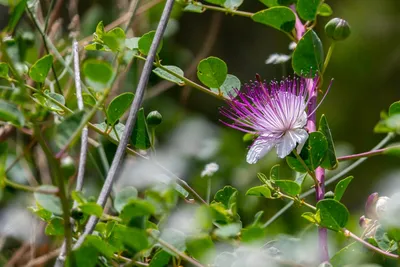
(367, 154)
(225, 10)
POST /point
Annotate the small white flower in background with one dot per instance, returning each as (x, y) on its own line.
(292, 46)
(210, 169)
(277, 58)
(381, 206)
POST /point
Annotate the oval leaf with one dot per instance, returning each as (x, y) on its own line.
(145, 43)
(91, 208)
(40, 69)
(307, 9)
(140, 136)
(167, 75)
(259, 191)
(118, 106)
(325, 10)
(394, 108)
(115, 39)
(289, 187)
(280, 17)
(341, 187)
(332, 214)
(308, 56)
(329, 162)
(97, 73)
(212, 72)
(4, 70)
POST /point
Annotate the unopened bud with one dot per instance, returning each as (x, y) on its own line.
(370, 206)
(337, 29)
(154, 118)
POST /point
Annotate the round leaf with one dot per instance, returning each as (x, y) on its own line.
(280, 17)
(332, 214)
(259, 191)
(145, 43)
(308, 56)
(118, 106)
(212, 72)
(115, 39)
(98, 73)
(40, 69)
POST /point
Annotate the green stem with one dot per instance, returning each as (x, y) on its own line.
(27, 188)
(58, 178)
(328, 57)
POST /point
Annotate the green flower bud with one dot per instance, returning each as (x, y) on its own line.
(68, 166)
(337, 29)
(154, 119)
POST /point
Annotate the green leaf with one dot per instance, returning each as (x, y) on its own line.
(325, 10)
(55, 227)
(67, 127)
(160, 259)
(307, 9)
(86, 255)
(384, 242)
(140, 136)
(253, 234)
(145, 43)
(271, 3)
(201, 248)
(48, 201)
(216, 2)
(274, 172)
(312, 153)
(51, 104)
(119, 127)
(4, 70)
(136, 208)
(124, 196)
(16, 15)
(198, 8)
(10, 113)
(226, 196)
(40, 69)
(392, 151)
(353, 254)
(118, 106)
(329, 162)
(78, 197)
(212, 72)
(98, 73)
(341, 187)
(115, 39)
(280, 17)
(228, 231)
(124, 234)
(394, 108)
(101, 246)
(259, 191)
(309, 216)
(91, 208)
(233, 4)
(289, 187)
(98, 35)
(132, 43)
(97, 47)
(3, 161)
(229, 87)
(43, 214)
(175, 238)
(170, 77)
(308, 57)
(263, 178)
(88, 99)
(332, 214)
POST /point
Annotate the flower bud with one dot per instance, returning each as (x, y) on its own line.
(381, 206)
(337, 29)
(68, 166)
(154, 119)
(376, 206)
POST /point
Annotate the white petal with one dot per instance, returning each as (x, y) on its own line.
(288, 142)
(259, 148)
(301, 136)
(301, 121)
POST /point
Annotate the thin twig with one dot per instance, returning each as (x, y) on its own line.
(368, 153)
(84, 143)
(43, 259)
(132, 11)
(144, 78)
